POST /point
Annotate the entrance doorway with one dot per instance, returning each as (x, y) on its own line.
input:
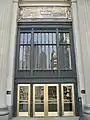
(45, 100)
(68, 102)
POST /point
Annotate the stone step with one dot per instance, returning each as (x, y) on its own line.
(46, 118)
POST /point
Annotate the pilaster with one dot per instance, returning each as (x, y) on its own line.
(5, 25)
(84, 25)
(10, 79)
(78, 50)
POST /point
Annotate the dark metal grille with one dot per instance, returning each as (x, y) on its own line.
(25, 51)
(64, 51)
(44, 50)
(45, 54)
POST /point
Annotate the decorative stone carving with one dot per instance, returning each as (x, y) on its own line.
(28, 13)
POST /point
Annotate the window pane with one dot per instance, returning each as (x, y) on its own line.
(65, 57)
(64, 38)
(47, 38)
(54, 38)
(21, 58)
(29, 38)
(25, 38)
(44, 38)
(25, 58)
(21, 38)
(35, 38)
(50, 38)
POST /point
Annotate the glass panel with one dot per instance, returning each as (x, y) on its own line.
(54, 58)
(29, 38)
(23, 93)
(35, 38)
(23, 99)
(65, 57)
(50, 38)
(21, 58)
(25, 58)
(67, 98)
(47, 38)
(64, 38)
(23, 107)
(44, 38)
(21, 38)
(25, 38)
(39, 98)
(54, 38)
(52, 98)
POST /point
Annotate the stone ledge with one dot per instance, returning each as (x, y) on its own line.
(4, 111)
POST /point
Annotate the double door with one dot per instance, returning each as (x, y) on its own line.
(46, 100)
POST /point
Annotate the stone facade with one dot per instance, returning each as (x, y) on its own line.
(8, 27)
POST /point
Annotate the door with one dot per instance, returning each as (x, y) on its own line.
(53, 100)
(23, 100)
(45, 100)
(68, 102)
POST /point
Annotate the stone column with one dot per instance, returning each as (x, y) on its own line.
(84, 25)
(78, 50)
(5, 25)
(10, 80)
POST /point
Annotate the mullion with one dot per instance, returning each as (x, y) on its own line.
(49, 51)
(27, 51)
(37, 51)
(45, 47)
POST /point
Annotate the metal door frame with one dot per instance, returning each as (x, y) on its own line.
(69, 113)
(23, 113)
(46, 113)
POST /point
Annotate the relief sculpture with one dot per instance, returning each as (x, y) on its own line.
(44, 12)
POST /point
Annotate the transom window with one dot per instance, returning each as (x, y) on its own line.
(44, 50)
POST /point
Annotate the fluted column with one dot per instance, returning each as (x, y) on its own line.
(5, 25)
(84, 25)
(78, 50)
(10, 80)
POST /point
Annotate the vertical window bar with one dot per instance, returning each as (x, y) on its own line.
(45, 48)
(27, 53)
(70, 66)
(47, 56)
(23, 59)
(50, 56)
(20, 57)
(37, 66)
(32, 51)
(49, 52)
(57, 48)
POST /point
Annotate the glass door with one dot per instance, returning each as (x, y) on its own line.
(53, 100)
(38, 99)
(45, 100)
(23, 100)
(68, 103)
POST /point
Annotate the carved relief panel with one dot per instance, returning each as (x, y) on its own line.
(28, 13)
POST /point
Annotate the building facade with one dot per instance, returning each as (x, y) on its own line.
(44, 67)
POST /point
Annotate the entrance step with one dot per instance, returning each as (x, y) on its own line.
(46, 118)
